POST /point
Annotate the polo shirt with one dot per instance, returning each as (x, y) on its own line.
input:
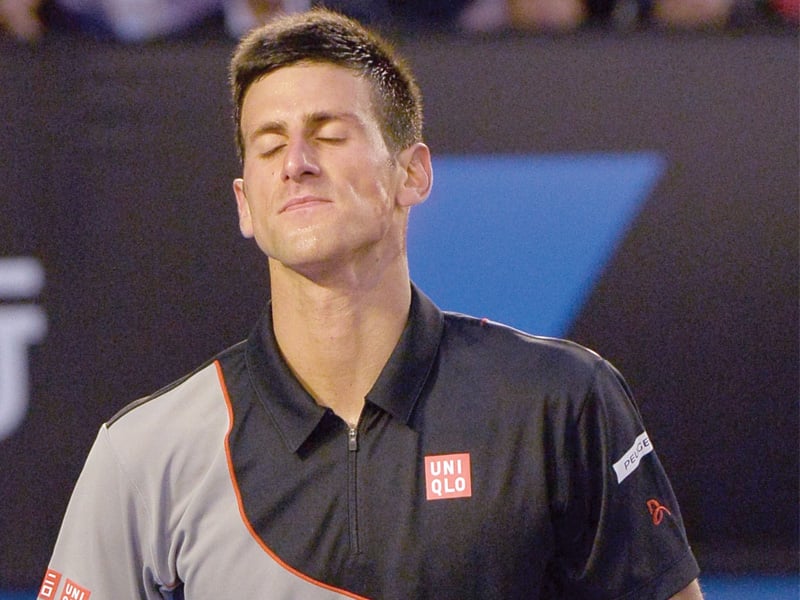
(487, 463)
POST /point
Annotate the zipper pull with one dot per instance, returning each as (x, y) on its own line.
(352, 439)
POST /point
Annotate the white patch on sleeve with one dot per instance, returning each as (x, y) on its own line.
(632, 457)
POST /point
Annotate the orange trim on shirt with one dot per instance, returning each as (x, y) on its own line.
(240, 504)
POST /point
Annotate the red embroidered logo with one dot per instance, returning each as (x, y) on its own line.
(72, 591)
(49, 585)
(448, 476)
(657, 511)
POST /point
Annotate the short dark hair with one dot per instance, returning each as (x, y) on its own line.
(323, 36)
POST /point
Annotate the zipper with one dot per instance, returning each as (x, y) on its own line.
(352, 439)
(352, 492)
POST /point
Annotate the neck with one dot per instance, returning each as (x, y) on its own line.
(336, 339)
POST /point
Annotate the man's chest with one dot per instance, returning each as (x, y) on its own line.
(391, 511)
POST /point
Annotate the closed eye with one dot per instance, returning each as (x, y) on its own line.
(269, 152)
(329, 129)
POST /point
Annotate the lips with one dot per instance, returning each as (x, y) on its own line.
(301, 202)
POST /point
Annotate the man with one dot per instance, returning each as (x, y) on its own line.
(361, 443)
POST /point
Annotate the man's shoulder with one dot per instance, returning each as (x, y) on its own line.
(161, 448)
(185, 407)
(502, 346)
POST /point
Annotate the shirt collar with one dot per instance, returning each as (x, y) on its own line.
(396, 390)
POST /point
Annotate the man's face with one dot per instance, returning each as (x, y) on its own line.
(319, 189)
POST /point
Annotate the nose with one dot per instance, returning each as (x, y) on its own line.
(299, 161)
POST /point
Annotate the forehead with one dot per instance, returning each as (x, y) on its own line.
(307, 88)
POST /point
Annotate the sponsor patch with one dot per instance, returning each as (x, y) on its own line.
(632, 458)
(448, 476)
(72, 591)
(49, 585)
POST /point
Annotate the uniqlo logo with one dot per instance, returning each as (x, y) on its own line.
(49, 585)
(448, 476)
(72, 591)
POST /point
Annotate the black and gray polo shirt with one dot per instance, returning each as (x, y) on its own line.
(487, 463)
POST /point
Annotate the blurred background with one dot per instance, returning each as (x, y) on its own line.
(623, 173)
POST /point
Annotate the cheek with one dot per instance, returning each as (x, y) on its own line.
(374, 187)
(258, 177)
(259, 189)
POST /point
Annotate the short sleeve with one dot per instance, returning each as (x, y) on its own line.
(619, 532)
(100, 551)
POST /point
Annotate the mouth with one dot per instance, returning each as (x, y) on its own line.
(302, 202)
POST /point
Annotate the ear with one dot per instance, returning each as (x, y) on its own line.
(416, 164)
(245, 218)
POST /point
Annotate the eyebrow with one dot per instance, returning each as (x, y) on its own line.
(311, 121)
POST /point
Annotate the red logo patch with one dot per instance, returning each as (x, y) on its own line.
(657, 511)
(49, 585)
(448, 476)
(72, 591)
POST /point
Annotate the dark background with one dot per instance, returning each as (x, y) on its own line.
(115, 170)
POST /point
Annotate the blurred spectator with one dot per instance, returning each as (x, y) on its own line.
(401, 15)
(692, 14)
(416, 15)
(136, 20)
(788, 10)
(484, 15)
(523, 15)
(568, 15)
(716, 14)
(21, 18)
(140, 20)
(548, 15)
